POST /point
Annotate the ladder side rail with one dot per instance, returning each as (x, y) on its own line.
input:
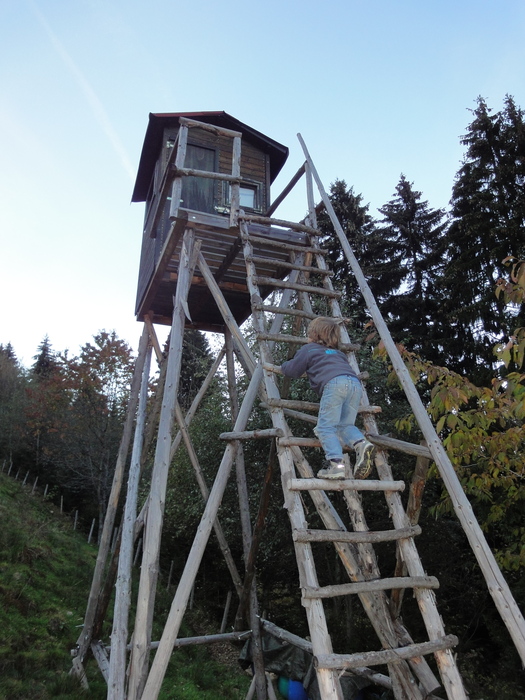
(426, 598)
(84, 639)
(374, 602)
(328, 681)
(426, 601)
(119, 634)
(182, 595)
(497, 584)
(151, 548)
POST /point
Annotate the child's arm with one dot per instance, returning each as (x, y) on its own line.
(297, 366)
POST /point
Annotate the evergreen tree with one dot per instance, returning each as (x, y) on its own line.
(12, 398)
(488, 210)
(45, 362)
(404, 263)
(357, 225)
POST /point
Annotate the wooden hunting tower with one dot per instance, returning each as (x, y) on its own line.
(212, 254)
(197, 188)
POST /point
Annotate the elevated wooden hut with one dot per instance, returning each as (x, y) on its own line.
(193, 166)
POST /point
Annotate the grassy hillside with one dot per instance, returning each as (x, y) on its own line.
(45, 575)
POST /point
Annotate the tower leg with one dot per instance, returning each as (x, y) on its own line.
(151, 549)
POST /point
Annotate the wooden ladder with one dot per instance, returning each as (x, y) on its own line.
(410, 675)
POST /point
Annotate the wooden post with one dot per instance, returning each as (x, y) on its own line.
(34, 485)
(61, 504)
(76, 520)
(45, 490)
(139, 547)
(84, 639)
(119, 635)
(235, 188)
(149, 573)
(180, 601)
(25, 479)
(497, 585)
(226, 611)
(182, 144)
(91, 531)
(169, 576)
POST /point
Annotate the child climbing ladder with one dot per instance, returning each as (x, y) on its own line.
(340, 390)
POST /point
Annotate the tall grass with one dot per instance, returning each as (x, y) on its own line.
(45, 577)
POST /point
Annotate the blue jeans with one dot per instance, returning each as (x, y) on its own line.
(337, 413)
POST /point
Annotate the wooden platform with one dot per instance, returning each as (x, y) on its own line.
(222, 250)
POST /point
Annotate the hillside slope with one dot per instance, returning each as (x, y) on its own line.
(45, 575)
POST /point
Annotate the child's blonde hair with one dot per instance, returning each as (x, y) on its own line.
(325, 331)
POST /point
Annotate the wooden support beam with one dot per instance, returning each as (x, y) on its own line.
(150, 561)
(205, 493)
(180, 601)
(85, 637)
(119, 636)
(375, 658)
(286, 191)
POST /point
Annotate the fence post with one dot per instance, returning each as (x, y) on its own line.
(91, 531)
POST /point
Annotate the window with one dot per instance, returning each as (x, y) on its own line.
(249, 196)
(198, 192)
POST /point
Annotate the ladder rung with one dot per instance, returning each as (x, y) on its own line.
(311, 406)
(385, 656)
(286, 311)
(290, 403)
(286, 246)
(289, 265)
(345, 485)
(253, 434)
(272, 282)
(295, 226)
(306, 417)
(356, 537)
(383, 584)
(410, 448)
(301, 340)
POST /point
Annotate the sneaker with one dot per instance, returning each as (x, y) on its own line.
(335, 470)
(363, 463)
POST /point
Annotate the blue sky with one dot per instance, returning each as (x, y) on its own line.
(376, 89)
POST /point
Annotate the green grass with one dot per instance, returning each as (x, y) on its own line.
(45, 575)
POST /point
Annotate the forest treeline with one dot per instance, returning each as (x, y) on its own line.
(450, 284)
